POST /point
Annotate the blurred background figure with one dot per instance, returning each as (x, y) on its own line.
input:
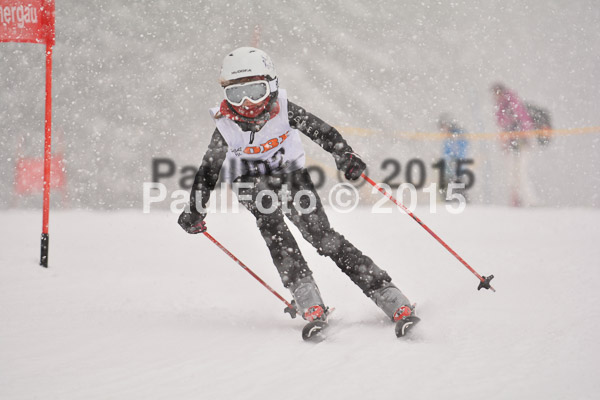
(512, 117)
(516, 124)
(454, 148)
(542, 121)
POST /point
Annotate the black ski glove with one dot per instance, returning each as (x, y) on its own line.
(351, 165)
(192, 222)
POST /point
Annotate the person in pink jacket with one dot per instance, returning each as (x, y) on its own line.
(514, 120)
(512, 117)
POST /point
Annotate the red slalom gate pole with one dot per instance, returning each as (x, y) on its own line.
(47, 158)
(483, 281)
(291, 309)
(33, 21)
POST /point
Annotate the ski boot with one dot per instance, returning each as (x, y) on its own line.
(396, 306)
(310, 305)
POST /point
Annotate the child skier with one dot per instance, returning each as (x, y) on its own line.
(256, 145)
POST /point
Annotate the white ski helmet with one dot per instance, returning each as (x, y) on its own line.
(245, 62)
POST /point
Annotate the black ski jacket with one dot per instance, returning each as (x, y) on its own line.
(315, 128)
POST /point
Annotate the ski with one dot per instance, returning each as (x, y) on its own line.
(406, 324)
(314, 331)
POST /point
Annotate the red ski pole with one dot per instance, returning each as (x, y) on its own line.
(483, 281)
(289, 309)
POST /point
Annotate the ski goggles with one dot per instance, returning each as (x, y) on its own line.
(255, 91)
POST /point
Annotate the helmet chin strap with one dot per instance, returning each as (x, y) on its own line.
(274, 85)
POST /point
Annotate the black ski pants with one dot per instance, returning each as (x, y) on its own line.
(310, 218)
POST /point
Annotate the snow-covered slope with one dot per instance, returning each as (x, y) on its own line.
(133, 308)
